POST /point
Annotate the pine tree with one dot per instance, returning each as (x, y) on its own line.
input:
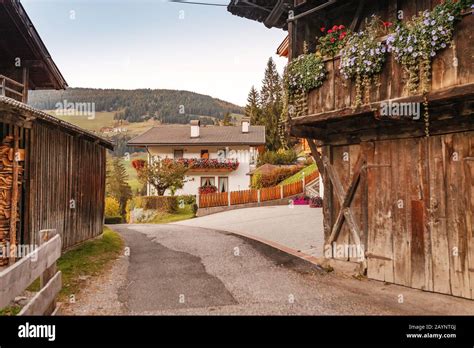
(117, 183)
(272, 105)
(227, 120)
(252, 109)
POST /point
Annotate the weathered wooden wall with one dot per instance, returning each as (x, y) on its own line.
(66, 184)
(415, 207)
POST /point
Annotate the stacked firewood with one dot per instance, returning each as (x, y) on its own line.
(6, 189)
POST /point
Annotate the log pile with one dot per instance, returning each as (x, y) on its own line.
(6, 188)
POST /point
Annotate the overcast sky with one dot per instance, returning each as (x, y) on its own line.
(155, 44)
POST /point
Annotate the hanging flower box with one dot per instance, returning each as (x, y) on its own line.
(209, 165)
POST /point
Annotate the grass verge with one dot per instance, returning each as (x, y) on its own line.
(299, 176)
(86, 260)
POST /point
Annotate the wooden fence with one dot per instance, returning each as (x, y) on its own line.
(39, 263)
(255, 196)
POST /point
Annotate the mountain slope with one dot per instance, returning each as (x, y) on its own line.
(167, 106)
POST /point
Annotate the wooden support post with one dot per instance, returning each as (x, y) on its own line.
(228, 199)
(50, 272)
(26, 79)
(258, 196)
(316, 155)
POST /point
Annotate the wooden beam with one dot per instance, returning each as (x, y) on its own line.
(339, 191)
(437, 97)
(359, 166)
(316, 155)
(308, 132)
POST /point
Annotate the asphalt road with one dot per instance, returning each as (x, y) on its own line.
(297, 227)
(174, 269)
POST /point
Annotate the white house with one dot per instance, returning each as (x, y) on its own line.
(218, 156)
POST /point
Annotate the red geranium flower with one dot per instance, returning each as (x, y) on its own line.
(334, 28)
(341, 27)
(329, 31)
(387, 24)
(332, 40)
(323, 29)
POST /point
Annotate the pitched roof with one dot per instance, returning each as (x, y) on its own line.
(209, 135)
(20, 39)
(28, 113)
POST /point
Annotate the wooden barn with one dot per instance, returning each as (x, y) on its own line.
(402, 188)
(52, 173)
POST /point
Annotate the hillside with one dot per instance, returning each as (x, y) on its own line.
(166, 106)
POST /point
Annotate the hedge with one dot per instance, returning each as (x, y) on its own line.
(112, 220)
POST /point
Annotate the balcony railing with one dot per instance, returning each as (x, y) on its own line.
(12, 89)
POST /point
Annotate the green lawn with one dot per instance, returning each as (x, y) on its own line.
(182, 214)
(299, 176)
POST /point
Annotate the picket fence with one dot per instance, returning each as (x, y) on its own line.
(255, 196)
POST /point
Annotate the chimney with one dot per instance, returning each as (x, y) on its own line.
(195, 124)
(245, 124)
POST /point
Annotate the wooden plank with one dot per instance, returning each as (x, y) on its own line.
(418, 244)
(437, 216)
(380, 240)
(41, 302)
(469, 184)
(15, 279)
(401, 241)
(456, 146)
(49, 272)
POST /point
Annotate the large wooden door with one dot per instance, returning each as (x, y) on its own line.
(420, 213)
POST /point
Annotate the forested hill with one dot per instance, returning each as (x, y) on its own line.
(140, 104)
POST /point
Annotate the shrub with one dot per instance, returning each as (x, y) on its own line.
(112, 220)
(278, 157)
(274, 178)
(167, 204)
(112, 207)
(186, 200)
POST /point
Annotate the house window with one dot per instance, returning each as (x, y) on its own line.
(178, 154)
(208, 181)
(205, 154)
(223, 184)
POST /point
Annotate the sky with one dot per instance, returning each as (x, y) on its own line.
(129, 44)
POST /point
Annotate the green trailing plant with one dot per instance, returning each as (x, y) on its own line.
(333, 40)
(416, 42)
(304, 74)
(363, 57)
